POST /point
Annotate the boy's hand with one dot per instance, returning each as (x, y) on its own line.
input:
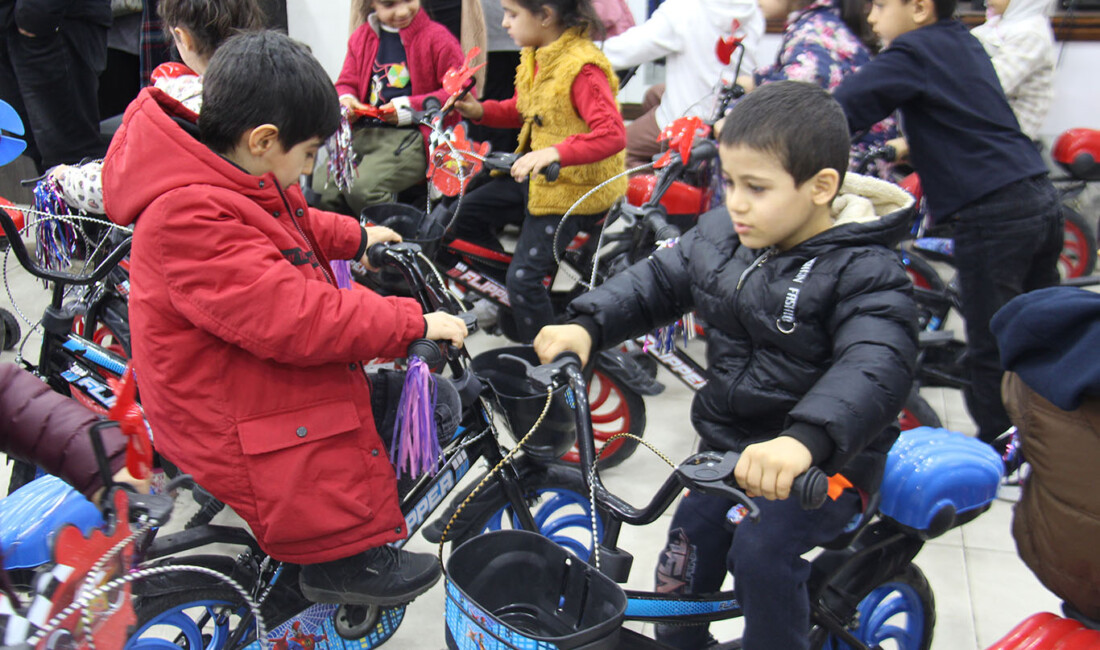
(445, 327)
(901, 146)
(467, 107)
(552, 340)
(378, 235)
(123, 475)
(532, 163)
(767, 469)
(354, 105)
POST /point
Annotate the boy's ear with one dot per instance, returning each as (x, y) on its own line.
(924, 11)
(824, 186)
(262, 138)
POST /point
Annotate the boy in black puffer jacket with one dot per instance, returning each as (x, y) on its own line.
(811, 342)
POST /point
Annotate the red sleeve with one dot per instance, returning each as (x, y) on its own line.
(349, 81)
(446, 54)
(591, 95)
(238, 287)
(338, 236)
(501, 114)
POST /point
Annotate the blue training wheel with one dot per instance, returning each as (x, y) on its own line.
(897, 615)
(561, 514)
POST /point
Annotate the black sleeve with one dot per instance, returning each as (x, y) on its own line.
(874, 356)
(876, 90)
(43, 17)
(652, 293)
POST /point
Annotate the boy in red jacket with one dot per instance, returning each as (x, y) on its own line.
(247, 352)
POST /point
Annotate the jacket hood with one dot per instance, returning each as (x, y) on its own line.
(867, 211)
(156, 151)
(723, 12)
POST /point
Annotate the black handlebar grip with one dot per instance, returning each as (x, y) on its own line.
(432, 103)
(551, 171)
(704, 149)
(427, 350)
(376, 255)
(812, 488)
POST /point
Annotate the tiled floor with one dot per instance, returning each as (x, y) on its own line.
(981, 587)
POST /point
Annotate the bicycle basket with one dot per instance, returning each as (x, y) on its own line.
(523, 402)
(514, 589)
(409, 222)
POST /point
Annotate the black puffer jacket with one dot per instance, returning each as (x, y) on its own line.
(818, 342)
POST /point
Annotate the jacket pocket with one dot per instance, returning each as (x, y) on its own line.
(308, 471)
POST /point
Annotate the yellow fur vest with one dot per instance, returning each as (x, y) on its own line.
(549, 117)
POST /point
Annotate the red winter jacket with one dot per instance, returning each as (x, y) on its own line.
(247, 354)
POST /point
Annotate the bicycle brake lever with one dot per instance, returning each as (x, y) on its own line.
(709, 473)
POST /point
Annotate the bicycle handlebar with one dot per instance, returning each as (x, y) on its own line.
(708, 472)
(502, 161)
(27, 262)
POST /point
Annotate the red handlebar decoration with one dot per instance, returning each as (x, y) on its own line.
(127, 412)
(680, 135)
(374, 111)
(454, 80)
(727, 45)
(453, 163)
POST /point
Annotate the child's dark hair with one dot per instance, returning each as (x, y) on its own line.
(571, 13)
(211, 22)
(944, 8)
(266, 78)
(797, 122)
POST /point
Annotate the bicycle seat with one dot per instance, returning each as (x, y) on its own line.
(34, 513)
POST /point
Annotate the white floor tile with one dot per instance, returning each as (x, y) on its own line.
(1003, 592)
(945, 568)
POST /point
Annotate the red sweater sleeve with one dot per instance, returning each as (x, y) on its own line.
(501, 114)
(591, 95)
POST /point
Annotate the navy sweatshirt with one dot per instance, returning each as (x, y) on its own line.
(964, 140)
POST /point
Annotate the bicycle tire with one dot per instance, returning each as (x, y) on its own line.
(553, 486)
(874, 619)
(172, 610)
(924, 276)
(11, 333)
(917, 412)
(615, 409)
(1078, 257)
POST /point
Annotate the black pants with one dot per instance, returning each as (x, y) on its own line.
(52, 81)
(500, 202)
(769, 574)
(1006, 243)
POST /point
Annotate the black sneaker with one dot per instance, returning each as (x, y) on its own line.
(383, 576)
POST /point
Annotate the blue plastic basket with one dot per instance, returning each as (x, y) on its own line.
(517, 590)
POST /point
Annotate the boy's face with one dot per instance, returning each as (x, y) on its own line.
(892, 18)
(765, 206)
(288, 165)
(396, 14)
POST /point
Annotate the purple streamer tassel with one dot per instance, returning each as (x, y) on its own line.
(341, 271)
(416, 445)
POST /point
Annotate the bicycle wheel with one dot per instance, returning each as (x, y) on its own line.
(924, 276)
(917, 412)
(559, 504)
(615, 409)
(198, 619)
(10, 334)
(898, 614)
(1078, 256)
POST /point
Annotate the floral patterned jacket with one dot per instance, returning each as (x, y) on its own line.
(819, 48)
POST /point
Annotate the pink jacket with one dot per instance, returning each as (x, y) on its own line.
(247, 354)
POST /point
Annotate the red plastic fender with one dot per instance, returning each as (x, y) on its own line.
(170, 70)
(15, 213)
(680, 198)
(1078, 152)
(1046, 631)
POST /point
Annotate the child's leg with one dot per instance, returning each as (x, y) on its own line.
(641, 134)
(769, 574)
(380, 174)
(483, 212)
(531, 263)
(1004, 245)
(693, 561)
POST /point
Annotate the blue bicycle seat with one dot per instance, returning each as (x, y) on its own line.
(31, 516)
(10, 148)
(937, 479)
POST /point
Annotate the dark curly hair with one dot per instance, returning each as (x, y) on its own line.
(571, 13)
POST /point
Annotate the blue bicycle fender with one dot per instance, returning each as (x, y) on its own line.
(31, 516)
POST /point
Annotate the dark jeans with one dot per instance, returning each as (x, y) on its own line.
(385, 396)
(52, 81)
(1006, 243)
(769, 574)
(500, 202)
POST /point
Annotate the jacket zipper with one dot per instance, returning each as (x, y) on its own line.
(309, 243)
(757, 263)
